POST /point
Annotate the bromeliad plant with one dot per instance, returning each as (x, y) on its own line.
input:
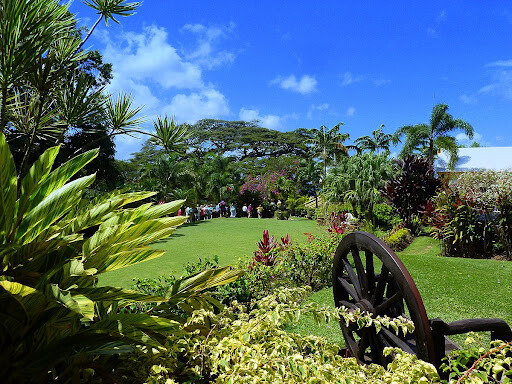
(56, 322)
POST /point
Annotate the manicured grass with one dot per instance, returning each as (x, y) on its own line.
(227, 238)
(451, 288)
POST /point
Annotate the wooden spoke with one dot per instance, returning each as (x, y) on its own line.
(378, 345)
(388, 303)
(364, 343)
(352, 276)
(348, 304)
(378, 295)
(350, 290)
(396, 341)
(360, 272)
(370, 272)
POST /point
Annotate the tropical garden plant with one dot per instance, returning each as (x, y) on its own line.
(410, 191)
(47, 93)
(429, 138)
(56, 322)
(472, 216)
(376, 142)
(327, 144)
(358, 181)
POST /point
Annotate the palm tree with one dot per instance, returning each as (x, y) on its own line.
(430, 138)
(308, 177)
(220, 176)
(108, 9)
(169, 135)
(328, 143)
(378, 140)
(359, 181)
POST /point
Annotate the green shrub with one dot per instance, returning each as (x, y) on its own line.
(282, 215)
(472, 216)
(386, 216)
(399, 239)
(247, 344)
(479, 362)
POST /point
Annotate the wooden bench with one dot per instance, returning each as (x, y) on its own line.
(368, 275)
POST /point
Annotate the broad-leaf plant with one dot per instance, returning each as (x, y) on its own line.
(56, 322)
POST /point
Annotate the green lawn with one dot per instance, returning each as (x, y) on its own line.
(226, 238)
(451, 288)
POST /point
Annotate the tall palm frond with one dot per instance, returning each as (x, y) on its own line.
(429, 139)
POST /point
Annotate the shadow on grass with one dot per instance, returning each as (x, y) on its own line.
(196, 223)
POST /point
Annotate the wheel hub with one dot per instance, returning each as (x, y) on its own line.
(365, 305)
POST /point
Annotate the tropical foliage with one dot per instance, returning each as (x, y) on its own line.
(429, 138)
(266, 353)
(47, 90)
(376, 142)
(328, 144)
(358, 180)
(412, 188)
(55, 320)
(473, 215)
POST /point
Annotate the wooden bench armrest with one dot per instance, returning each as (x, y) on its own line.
(499, 328)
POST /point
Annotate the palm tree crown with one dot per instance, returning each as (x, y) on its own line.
(374, 143)
(430, 138)
(328, 142)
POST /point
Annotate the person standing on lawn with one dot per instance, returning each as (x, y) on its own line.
(249, 211)
(260, 211)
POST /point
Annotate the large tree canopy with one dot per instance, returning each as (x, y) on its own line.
(244, 139)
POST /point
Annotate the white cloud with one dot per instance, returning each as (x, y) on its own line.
(468, 99)
(350, 111)
(500, 63)
(206, 53)
(381, 82)
(431, 32)
(463, 139)
(348, 78)
(160, 78)
(319, 107)
(501, 84)
(266, 121)
(148, 57)
(208, 103)
(305, 85)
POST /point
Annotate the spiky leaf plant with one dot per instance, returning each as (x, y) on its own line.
(55, 321)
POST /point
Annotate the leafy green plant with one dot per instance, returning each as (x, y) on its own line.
(55, 321)
(358, 180)
(472, 216)
(479, 363)
(386, 216)
(311, 263)
(246, 344)
(398, 239)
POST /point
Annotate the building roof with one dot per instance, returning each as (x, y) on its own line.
(477, 159)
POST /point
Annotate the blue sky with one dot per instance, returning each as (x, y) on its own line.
(308, 63)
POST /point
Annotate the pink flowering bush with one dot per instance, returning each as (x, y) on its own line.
(271, 185)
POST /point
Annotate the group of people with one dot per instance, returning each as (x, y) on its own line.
(222, 209)
(248, 210)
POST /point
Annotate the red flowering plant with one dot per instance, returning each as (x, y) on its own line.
(269, 248)
(337, 222)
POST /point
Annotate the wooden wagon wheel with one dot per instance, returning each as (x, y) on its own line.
(368, 275)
